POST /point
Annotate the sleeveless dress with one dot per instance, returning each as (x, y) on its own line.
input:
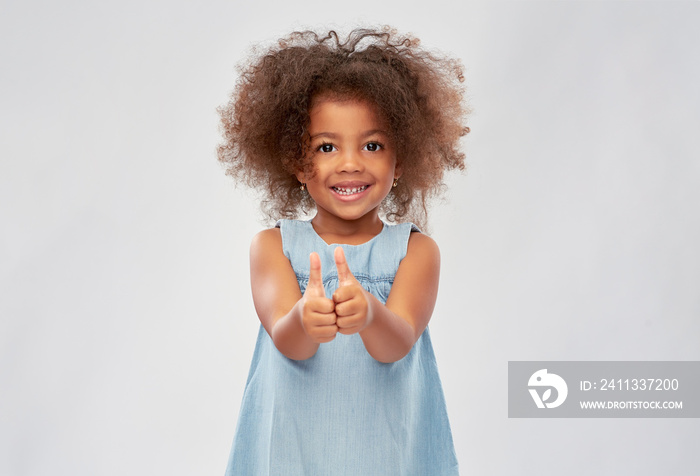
(341, 412)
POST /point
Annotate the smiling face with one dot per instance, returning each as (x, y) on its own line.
(354, 160)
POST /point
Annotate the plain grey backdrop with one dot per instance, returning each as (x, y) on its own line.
(126, 322)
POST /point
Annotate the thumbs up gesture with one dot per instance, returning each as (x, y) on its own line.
(351, 302)
(317, 317)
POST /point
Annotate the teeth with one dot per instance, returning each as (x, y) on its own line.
(349, 191)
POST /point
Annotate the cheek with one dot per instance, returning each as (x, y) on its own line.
(391, 169)
(313, 173)
(316, 176)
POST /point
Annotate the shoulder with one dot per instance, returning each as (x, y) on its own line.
(422, 256)
(266, 242)
(422, 246)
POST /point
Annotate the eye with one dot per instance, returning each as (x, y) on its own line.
(373, 146)
(326, 147)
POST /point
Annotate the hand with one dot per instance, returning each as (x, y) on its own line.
(351, 300)
(317, 316)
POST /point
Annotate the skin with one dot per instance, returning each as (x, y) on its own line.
(352, 151)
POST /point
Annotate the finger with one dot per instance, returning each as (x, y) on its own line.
(346, 308)
(343, 293)
(322, 319)
(324, 334)
(315, 277)
(344, 274)
(324, 306)
(346, 294)
(346, 322)
(314, 304)
(349, 330)
(348, 325)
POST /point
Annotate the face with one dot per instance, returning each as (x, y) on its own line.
(353, 157)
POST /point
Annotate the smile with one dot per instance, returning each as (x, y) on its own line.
(350, 191)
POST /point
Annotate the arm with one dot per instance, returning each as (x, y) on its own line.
(297, 324)
(389, 331)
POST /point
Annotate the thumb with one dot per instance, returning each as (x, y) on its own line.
(315, 278)
(345, 276)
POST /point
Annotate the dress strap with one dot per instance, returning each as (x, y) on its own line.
(379, 258)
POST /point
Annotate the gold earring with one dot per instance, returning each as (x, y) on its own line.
(303, 187)
(396, 182)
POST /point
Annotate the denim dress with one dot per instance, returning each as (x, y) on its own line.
(341, 412)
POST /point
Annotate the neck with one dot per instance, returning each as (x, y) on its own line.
(334, 229)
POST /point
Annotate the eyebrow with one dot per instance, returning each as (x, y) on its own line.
(333, 135)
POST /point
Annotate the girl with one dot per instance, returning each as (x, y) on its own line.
(343, 379)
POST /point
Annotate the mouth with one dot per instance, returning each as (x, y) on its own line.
(349, 190)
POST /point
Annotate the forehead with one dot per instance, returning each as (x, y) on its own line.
(328, 114)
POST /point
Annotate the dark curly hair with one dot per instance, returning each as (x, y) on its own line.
(419, 94)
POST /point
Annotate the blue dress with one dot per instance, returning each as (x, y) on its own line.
(341, 412)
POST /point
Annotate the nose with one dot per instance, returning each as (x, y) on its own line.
(350, 161)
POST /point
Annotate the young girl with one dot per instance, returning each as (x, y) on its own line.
(343, 379)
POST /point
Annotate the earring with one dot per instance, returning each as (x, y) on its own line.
(303, 187)
(396, 182)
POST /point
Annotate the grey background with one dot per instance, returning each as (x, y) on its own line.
(126, 323)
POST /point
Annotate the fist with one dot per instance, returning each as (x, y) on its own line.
(350, 299)
(317, 311)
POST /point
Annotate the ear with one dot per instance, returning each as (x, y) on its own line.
(301, 177)
(398, 170)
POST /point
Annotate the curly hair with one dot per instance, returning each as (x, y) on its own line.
(417, 93)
